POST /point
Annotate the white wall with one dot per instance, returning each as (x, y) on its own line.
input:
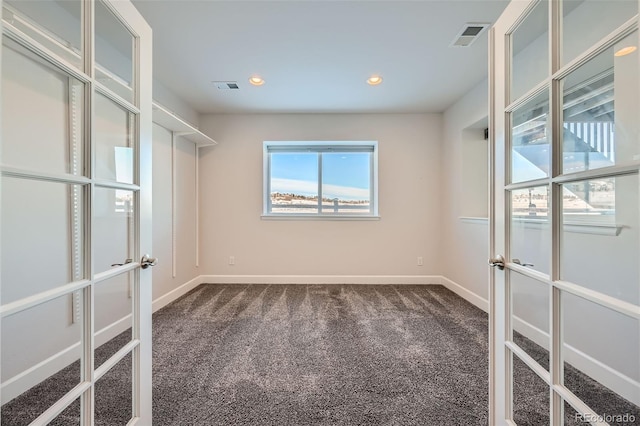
(409, 199)
(173, 234)
(465, 242)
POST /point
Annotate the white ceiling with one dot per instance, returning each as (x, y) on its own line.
(316, 55)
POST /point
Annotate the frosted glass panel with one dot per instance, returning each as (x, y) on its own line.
(114, 227)
(42, 114)
(47, 224)
(114, 141)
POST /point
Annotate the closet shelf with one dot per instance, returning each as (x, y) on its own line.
(171, 121)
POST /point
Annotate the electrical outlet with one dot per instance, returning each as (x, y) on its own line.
(420, 261)
(232, 260)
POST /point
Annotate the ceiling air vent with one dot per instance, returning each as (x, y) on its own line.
(226, 85)
(469, 33)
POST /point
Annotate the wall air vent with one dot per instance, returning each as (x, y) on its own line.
(469, 34)
(226, 85)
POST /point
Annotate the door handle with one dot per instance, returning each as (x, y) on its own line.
(147, 261)
(497, 261)
(120, 264)
(518, 262)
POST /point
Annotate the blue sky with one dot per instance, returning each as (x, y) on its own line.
(345, 175)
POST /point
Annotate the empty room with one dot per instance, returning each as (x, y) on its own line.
(320, 212)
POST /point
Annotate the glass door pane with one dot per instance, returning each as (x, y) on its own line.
(600, 104)
(601, 349)
(530, 228)
(530, 396)
(114, 135)
(52, 211)
(113, 315)
(530, 317)
(584, 23)
(115, 408)
(70, 416)
(530, 153)
(600, 236)
(115, 227)
(114, 53)
(530, 51)
(34, 91)
(51, 353)
(56, 25)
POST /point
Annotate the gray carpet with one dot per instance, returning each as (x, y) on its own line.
(320, 355)
(315, 355)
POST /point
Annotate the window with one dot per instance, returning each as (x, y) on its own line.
(320, 179)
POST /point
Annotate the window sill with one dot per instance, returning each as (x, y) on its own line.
(317, 217)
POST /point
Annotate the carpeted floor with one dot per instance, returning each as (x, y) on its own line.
(315, 355)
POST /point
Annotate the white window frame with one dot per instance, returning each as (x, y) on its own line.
(320, 147)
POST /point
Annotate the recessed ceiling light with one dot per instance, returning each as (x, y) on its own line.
(374, 80)
(625, 51)
(256, 80)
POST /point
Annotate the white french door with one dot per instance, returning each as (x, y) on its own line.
(565, 219)
(76, 213)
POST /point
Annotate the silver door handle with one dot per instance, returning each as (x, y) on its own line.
(147, 261)
(120, 264)
(518, 262)
(497, 261)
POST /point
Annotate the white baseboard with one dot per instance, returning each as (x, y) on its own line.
(176, 293)
(321, 279)
(466, 294)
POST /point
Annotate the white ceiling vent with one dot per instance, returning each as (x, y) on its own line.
(226, 85)
(469, 34)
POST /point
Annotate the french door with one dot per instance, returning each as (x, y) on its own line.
(565, 220)
(76, 213)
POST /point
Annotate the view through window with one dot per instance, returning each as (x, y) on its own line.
(320, 178)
